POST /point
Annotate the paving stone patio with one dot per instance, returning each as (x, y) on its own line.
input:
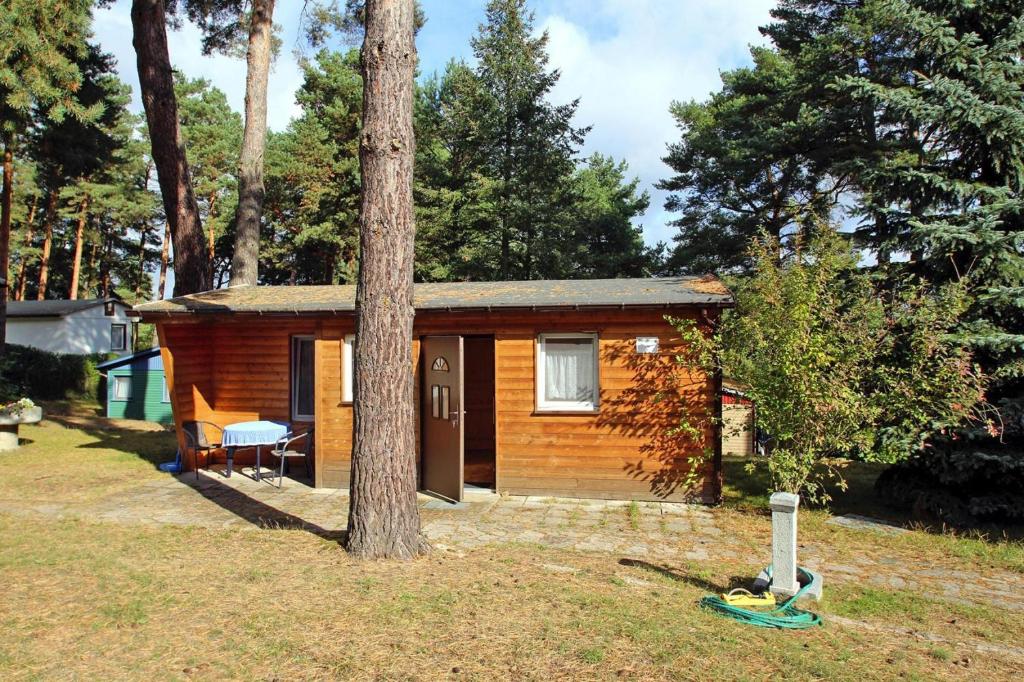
(657, 534)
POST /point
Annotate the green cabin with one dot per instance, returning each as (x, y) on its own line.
(137, 387)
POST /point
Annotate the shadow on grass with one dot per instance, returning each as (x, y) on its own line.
(695, 580)
(151, 442)
(252, 510)
(748, 492)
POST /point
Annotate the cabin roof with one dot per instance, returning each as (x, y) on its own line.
(53, 308)
(143, 357)
(664, 291)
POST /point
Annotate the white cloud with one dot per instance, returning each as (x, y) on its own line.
(627, 60)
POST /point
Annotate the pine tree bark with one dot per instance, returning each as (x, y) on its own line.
(19, 295)
(383, 520)
(211, 203)
(245, 261)
(164, 256)
(6, 197)
(76, 264)
(44, 257)
(143, 233)
(156, 82)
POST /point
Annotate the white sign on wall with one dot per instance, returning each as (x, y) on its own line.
(647, 344)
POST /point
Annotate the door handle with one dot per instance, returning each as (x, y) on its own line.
(453, 416)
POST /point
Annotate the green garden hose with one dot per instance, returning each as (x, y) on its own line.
(785, 616)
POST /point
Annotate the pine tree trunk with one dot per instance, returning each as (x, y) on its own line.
(383, 520)
(44, 258)
(90, 275)
(76, 264)
(245, 261)
(164, 256)
(6, 197)
(19, 295)
(142, 259)
(209, 217)
(105, 263)
(156, 82)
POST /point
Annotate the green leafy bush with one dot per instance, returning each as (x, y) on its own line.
(41, 375)
(838, 367)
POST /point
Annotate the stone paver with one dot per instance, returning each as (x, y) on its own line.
(659, 534)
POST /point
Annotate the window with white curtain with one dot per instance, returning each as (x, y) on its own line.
(347, 349)
(567, 372)
(122, 388)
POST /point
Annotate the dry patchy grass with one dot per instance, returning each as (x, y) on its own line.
(102, 601)
(56, 462)
(109, 601)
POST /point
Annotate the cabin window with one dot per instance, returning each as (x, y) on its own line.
(347, 348)
(122, 388)
(567, 372)
(165, 395)
(303, 395)
(118, 336)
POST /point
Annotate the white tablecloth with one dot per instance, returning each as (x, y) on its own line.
(246, 434)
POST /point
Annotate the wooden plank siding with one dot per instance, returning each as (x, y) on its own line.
(147, 396)
(236, 367)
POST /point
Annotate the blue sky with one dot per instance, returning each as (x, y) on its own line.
(626, 60)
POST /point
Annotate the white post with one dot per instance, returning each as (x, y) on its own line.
(784, 582)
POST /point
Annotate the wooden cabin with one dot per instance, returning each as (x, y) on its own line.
(559, 388)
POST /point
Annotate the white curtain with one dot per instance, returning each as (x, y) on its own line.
(569, 369)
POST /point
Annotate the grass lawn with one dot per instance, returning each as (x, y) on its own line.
(88, 600)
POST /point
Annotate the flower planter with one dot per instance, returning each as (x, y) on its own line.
(10, 421)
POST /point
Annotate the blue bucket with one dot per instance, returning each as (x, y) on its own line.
(172, 467)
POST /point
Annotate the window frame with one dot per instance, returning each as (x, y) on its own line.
(120, 379)
(541, 404)
(348, 346)
(124, 336)
(294, 344)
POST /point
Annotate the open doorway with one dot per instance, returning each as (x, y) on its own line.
(478, 377)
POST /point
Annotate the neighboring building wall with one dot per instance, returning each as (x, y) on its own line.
(82, 333)
(147, 396)
(237, 368)
(737, 429)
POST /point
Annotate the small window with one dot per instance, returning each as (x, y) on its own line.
(122, 388)
(108, 308)
(567, 372)
(435, 401)
(347, 350)
(440, 364)
(118, 336)
(166, 395)
(303, 394)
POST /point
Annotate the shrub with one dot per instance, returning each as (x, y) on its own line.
(965, 477)
(41, 375)
(837, 367)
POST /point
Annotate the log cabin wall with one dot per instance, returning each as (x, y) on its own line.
(233, 368)
(226, 370)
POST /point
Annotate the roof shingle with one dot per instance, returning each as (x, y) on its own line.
(698, 291)
(52, 308)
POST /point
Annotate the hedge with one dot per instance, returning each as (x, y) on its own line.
(27, 372)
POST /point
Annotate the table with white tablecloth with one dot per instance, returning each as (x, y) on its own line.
(252, 434)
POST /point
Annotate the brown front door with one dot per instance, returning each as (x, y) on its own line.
(443, 430)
